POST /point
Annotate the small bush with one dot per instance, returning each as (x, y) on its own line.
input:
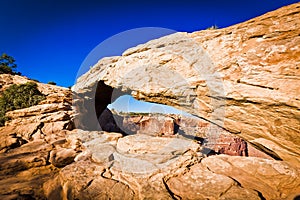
(18, 97)
(51, 83)
(35, 80)
(7, 65)
(214, 27)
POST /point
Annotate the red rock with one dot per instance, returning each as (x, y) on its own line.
(231, 145)
(156, 125)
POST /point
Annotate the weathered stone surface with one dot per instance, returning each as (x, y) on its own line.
(84, 180)
(231, 177)
(273, 179)
(38, 110)
(25, 166)
(142, 144)
(145, 161)
(41, 157)
(159, 126)
(93, 138)
(245, 78)
(26, 184)
(102, 153)
(140, 161)
(51, 91)
(32, 142)
(33, 154)
(62, 157)
(143, 154)
(230, 145)
(24, 169)
(237, 192)
(10, 141)
(200, 183)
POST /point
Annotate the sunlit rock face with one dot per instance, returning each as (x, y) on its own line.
(33, 141)
(240, 83)
(243, 78)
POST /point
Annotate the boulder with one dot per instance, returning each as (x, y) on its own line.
(62, 157)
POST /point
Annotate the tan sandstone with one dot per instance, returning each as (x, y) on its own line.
(244, 78)
(241, 80)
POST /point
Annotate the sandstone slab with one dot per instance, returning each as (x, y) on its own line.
(83, 180)
(273, 179)
(200, 183)
(62, 157)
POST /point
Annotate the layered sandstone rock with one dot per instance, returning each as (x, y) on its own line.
(33, 142)
(244, 78)
(158, 125)
(7, 80)
(218, 141)
(230, 177)
(42, 156)
(147, 167)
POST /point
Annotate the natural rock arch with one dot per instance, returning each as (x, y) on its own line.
(258, 70)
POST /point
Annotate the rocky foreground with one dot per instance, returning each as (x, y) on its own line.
(242, 143)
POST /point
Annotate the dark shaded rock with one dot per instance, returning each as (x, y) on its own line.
(62, 157)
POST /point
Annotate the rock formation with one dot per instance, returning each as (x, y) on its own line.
(33, 143)
(241, 84)
(244, 78)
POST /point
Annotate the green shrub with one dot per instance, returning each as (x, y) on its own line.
(7, 65)
(51, 83)
(18, 97)
(35, 80)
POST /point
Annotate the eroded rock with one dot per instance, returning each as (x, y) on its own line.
(255, 61)
(273, 179)
(83, 180)
(62, 157)
(243, 78)
(200, 183)
(32, 139)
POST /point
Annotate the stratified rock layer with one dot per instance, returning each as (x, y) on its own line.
(213, 74)
(148, 167)
(244, 78)
(33, 142)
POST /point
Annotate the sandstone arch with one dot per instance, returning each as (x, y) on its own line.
(258, 68)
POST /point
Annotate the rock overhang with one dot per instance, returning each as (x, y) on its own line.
(215, 75)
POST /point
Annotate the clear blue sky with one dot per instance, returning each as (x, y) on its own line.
(51, 38)
(126, 103)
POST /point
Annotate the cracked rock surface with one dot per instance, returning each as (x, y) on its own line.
(43, 155)
(144, 166)
(244, 78)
